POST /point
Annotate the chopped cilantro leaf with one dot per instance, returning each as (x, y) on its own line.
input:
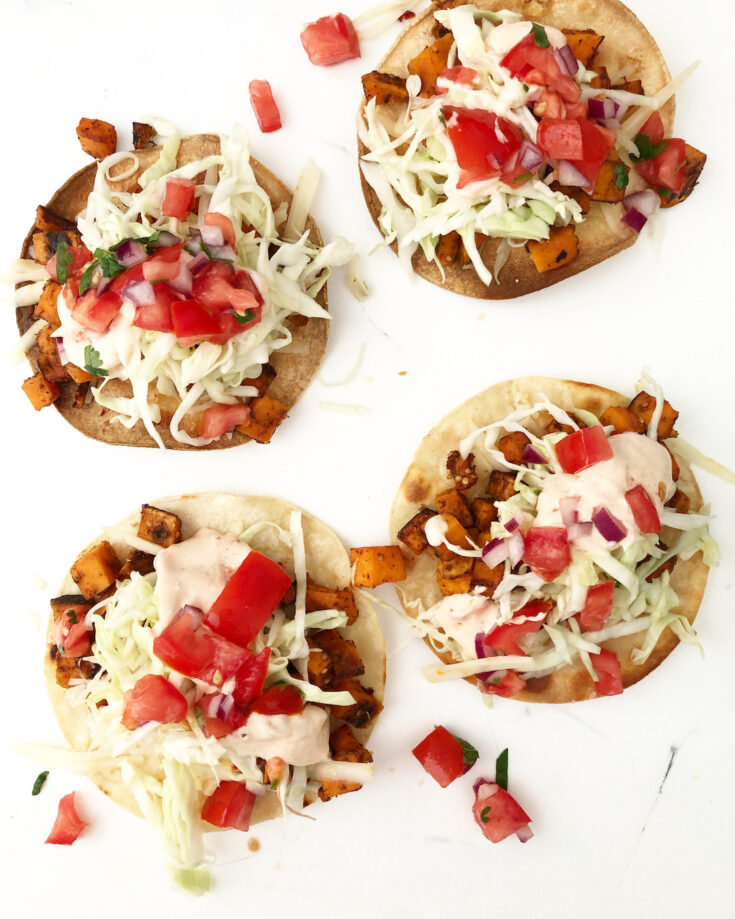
(63, 260)
(525, 87)
(442, 119)
(208, 252)
(86, 279)
(646, 150)
(199, 717)
(274, 784)
(540, 36)
(242, 318)
(501, 770)
(93, 362)
(39, 783)
(71, 616)
(665, 193)
(522, 178)
(469, 754)
(108, 262)
(621, 176)
(484, 814)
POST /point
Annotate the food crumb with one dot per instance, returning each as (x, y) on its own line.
(253, 844)
(481, 316)
(402, 373)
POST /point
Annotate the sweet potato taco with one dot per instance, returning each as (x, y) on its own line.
(209, 666)
(508, 144)
(556, 545)
(177, 297)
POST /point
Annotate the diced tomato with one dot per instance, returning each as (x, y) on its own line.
(218, 419)
(178, 198)
(644, 510)
(582, 449)
(130, 274)
(482, 141)
(497, 813)
(161, 267)
(156, 316)
(560, 138)
(443, 756)
(250, 678)
(597, 142)
(68, 824)
(653, 129)
(72, 638)
(215, 290)
(192, 322)
(264, 106)
(279, 700)
(195, 651)
(549, 105)
(667, 170)
(153, 698)
(546, 551)
(464, 75)
(505, 683)
(219, 715)
(213, 219)
(97, 311)
(230, 805)
(330, 40)
(504, 638)
(597, 606)
(575, 110)
(248, 599)
(80, 258)
(607, 667)
(527, 62)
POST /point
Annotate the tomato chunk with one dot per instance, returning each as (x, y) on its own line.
(560, 138)
(156, 316)
(218, 419)
(607, 667)
(153, 698)
(497, 813)
(72, 638)
(644, 510)
(250, 678)
(192, 649)
(219, 715)
(229, 805)
(482, 141)
(192, 322)
(582, 449)
(597, 606)
(505, 683)
(546, 551)
(527, 62)
(279, 700)
(458, 74)
(504, 638)
(668, 168)
(330, 40)
(264, 106)
(248, 599)
(97, 311)
(161, 267)
(213, 219)
(68, 824)
(178, 198)
(444, 756)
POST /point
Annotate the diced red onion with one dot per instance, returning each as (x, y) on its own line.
(480, 653)
(516, 546)
(511, 525)
(130, 253)
(212, 236)
(634, 219)
(223, 252)
(566, 60)
(601, 109)
(198, 263)
(609, 527)
(612, 124)
(645, 202)
(165, 239)
(140, 293)
(568, 510)
(530, 157)
(524, 833)
(495, 552)
(579, 530)
(225, 706)
(570, 175)
(492, 787)
(183, 282)
(103, 284)
(63, 357)
(193, 246)
(532, 455)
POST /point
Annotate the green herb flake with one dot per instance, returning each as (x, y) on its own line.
(93, 362)
(665, 193)
(484, 814)
(64, 259)
(86, 281)
(199, 717)
(39, 783)
(442, 119)
(621, 176)
(469, 753)
(62, 651)
(522, 178)
(540, 36)
(274, 785)
(71, 616)
(525, 87)
(242, 318)
(646, 150)
(501, 770)
(208, 252)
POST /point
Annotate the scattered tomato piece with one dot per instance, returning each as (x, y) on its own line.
(444, 756)
(330, 40)
(68, 824)
(264, 106)
(498, 814)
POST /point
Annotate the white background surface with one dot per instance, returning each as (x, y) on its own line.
(607, 844)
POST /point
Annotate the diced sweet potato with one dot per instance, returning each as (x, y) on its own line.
(319, 668)
(40, 391)
(552, 426)
(431, 63)
(341, 598)
(49, 362)
(584, 43)
(453, 502)
(365, 707)
(77, 374)
(47, 307)
(80, 394)
(695, 161)
(413, 533)
(450, 586)
(139, 561)
(98, 138)
(265, 416)
(668, 565)
(96, 569)
(643, 406)
(487, 578)
(622, 420)
(374, 565)
(512, 446)
(501, 485)
(344, 659)
(73, 668)
(456, 534)
(462, 470)
(143, 135)
(46, 219)
(559, 249)
(679, 502)
(160, 527)
(346, 748)
(578, 194)
(630, 86)
(447, 249)
(384, 87)
(262, 382)
(602, 80)
(484, 512)
(46, 242)
(608, 185)
(674, 465)
(455, 567)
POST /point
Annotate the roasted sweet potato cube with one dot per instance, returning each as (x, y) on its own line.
(578, 194)
(694, 164)
(456, 534)
(80, 394)
(559, 249)
(143, 134)
(160, 527)
(374, 565)
(98, 138)
(643, 407)
(450, 586)
(668, 565)
(319, 667)
(622, 420)
(453, 502)
(483, 538)
(46, 219)
(413, 533)
(96, 569)
(77, 374)
(447, 249)
(320, 597)
(455, 567)
(384, 87)
(487, 578)
(332, 788)
(347, 748)
(262, 382)
(674, 465)
(40, 391)
(679, 502)
(343, 656)
(139, 561)
(513, 445)
(47, 306)
(602, 80)
(73, 668)
(501, 485)
(462, 470)
(552, 426)
(630, 86)
(365, 707)
(431, 63)
(584, 43)
(46, 242)
(608, 185)
(484, 512)
(49, 361)
(72, 607)
(265, 416)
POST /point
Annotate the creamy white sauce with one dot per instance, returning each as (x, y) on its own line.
(637, 460)
(506, 36)
(436, 529)
(300, 739)
(117, 347)
(462, 616)
(195, 571)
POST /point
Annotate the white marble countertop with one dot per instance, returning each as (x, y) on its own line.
(632, 796)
